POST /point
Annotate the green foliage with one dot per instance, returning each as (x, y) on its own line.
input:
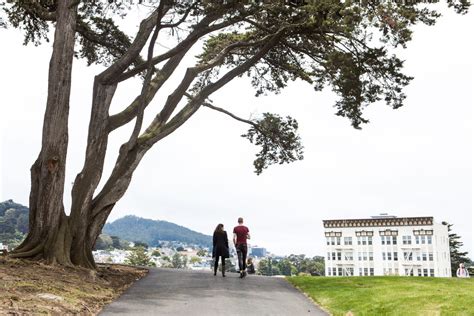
(194, 260)
(201, 253)
(179, 261)
(151, 232)
(13, 223)
(343, 45)
(457, 256)
(156, 253)
(106, 242)
(278, 138)
(141, 244)
(268, 266)
(139, 257)
(389, 295)
(291, 265)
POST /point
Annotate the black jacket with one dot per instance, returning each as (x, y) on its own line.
(220, 245)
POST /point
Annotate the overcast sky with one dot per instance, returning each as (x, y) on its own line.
(414, 161)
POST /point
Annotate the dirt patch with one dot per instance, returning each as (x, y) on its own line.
(28, 287)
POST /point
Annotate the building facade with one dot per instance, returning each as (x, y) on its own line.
(387, 245)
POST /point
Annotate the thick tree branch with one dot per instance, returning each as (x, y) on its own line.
(146, 27)
(142, 104)
(156, 131)
(201, 29)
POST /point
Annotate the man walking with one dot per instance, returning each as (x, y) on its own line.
(241, 234)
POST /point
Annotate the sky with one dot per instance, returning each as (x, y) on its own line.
(413, 161)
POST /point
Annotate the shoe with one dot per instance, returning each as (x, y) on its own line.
(244, 274)
(241, 274)
(215, 273)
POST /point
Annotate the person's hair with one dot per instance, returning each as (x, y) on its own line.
(249, 259)
(219, 228)
(240, 220)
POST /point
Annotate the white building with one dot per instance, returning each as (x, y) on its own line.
(387, 245)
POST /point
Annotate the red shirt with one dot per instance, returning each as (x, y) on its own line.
(241, 231)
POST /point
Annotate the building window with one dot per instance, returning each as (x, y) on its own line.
(371, 271)
(359, 255)
(429, 240)
(333, 256)
(340, 271)
(419, 272)
(334, 271)
(422, 239)
(369, 240)
(338, 240)
(425, 272)
(339, 256)
(360, 272)
(347, 241)
(432, 272)
(394, 240)
(418, 256)
(406, 240)
(389, 256)
(417, 239)
(358, 241)
(395, 256)
(371, 256)
(349, 271)
(430, 256)
(364, 256)
(329, 256)
(424, 256)
(383, 256)
(329, 271)
(408, 256)
(383, 240)
(348, 256)
(366, 271)
(388, 240)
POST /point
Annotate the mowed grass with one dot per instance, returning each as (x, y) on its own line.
(389, 295)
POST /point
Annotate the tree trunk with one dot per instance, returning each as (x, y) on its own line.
(49, 237)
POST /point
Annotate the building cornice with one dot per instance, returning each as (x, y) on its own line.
(379, 222)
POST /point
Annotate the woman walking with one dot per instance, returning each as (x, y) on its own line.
(220, 247)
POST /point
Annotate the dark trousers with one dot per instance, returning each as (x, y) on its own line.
(242, 256)
(216, 263)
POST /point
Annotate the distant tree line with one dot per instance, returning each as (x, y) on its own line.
(291, 265)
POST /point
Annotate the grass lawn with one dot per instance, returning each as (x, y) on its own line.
(390, 295)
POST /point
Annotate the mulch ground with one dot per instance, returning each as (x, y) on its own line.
(28, 287)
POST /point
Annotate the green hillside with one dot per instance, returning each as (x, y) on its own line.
(14, 226)
(149, 231)
(13, 223)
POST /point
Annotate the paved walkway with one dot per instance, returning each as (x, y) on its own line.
(183, 292)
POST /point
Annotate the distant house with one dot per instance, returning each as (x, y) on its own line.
(3, 247)
(387, 245)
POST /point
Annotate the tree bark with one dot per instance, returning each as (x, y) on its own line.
(49, 237)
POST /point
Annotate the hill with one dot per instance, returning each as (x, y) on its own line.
(149, 231)
(14, 226)
(13, 222)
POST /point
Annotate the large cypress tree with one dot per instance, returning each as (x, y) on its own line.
(324, 43)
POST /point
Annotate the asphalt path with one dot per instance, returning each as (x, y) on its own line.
(185, 292)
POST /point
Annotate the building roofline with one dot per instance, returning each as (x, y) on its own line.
(379, 222)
